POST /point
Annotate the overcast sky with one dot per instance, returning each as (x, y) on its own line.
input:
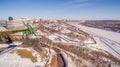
(61, 9)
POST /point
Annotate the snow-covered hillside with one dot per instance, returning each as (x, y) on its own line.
(61, 44)
(106, 40)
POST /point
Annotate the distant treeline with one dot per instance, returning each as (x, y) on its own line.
(108, 21)
(111, 25)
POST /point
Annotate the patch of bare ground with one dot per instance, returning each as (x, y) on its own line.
(53, 62)
(60, 61)
(43, 53)
(24, 53)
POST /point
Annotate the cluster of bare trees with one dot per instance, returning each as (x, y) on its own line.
(97, 58)
(112, 26)
(60, 25)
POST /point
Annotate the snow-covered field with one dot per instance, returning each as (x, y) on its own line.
(25, 57)
(106, 40)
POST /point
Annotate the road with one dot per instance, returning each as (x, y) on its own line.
(109, 40)
(11, 47)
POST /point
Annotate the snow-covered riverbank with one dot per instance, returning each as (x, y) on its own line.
(106, 40)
